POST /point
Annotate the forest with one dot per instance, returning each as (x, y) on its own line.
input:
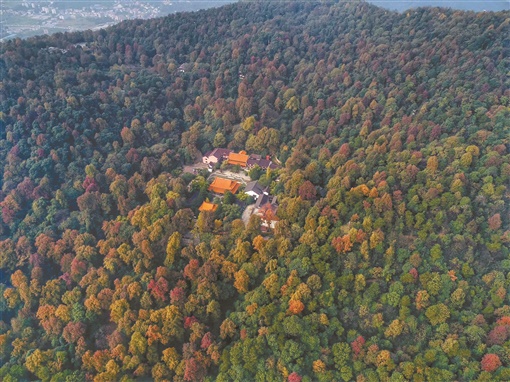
(390, 260)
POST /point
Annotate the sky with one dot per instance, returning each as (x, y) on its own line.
(473, 5)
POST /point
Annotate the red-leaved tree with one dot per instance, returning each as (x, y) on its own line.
(490, 362)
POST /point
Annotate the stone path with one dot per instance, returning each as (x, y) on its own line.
(247, 213)
(230, 175)
(197, 166)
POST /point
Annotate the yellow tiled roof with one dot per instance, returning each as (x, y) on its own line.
(206, 206)
(238, 158)
(221, 185)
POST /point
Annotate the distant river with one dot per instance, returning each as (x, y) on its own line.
(468, 5)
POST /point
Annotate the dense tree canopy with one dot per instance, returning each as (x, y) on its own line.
(390, 258)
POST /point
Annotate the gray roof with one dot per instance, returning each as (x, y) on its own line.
(255, 187)
(265, 199)
(262, 163)
(218, 153)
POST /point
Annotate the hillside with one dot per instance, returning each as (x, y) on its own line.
(387, 258)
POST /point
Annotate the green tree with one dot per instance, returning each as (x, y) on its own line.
(173, 248)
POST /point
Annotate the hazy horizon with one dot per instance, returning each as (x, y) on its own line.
(477, 6)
